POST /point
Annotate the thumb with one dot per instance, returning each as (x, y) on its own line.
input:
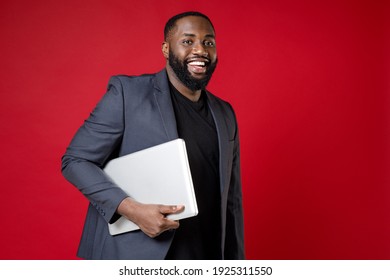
(171, 209)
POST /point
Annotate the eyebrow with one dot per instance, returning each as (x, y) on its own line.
(193, 35)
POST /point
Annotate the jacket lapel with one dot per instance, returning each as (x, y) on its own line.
(222, 132)
(164, 103)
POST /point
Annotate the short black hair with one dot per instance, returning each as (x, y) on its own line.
(170, 25)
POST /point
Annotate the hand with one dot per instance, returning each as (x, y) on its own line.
(151, 218)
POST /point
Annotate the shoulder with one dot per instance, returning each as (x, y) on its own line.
(143, 83)
(125, 81)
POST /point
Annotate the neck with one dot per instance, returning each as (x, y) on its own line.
(190, 94)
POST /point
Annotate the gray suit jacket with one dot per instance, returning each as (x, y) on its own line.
(137, 113)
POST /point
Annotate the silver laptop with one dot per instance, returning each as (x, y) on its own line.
(157, 175)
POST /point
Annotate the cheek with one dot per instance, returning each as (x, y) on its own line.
(181, 53)
(213, 56)
(212, 53)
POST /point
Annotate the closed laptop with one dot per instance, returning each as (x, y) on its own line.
(156, 175)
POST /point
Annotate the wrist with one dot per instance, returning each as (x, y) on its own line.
(127, 207)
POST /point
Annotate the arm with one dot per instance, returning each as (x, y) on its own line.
(90, 149)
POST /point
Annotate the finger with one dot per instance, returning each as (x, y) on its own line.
(171, 209)
(171, 224)
(168, 226)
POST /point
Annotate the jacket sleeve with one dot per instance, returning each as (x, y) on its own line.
(91, 148)
(234, 243)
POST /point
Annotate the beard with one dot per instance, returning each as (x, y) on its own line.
(182, 73)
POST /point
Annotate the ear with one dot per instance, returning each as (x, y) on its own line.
(165, 49)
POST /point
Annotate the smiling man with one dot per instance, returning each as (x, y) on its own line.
(138, 112)
(190, 49)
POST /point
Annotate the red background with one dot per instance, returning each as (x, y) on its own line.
(310, 84)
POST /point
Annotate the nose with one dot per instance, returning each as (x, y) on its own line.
(199, 49)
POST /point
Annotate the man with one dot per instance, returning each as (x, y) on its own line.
(140, 112)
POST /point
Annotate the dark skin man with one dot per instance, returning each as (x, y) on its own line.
(191, 55)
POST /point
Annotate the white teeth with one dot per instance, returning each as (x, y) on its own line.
(197, 63)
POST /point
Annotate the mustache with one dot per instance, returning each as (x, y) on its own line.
(203, 58)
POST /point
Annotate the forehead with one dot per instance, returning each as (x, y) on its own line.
(193, 25)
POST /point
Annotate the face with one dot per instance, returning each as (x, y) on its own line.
(191, 51)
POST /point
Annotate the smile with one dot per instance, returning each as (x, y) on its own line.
(197, 63)
(197, 66)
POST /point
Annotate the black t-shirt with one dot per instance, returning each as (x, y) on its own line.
(199, 237)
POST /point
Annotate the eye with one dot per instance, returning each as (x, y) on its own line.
(187, 42)
(209, 44)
